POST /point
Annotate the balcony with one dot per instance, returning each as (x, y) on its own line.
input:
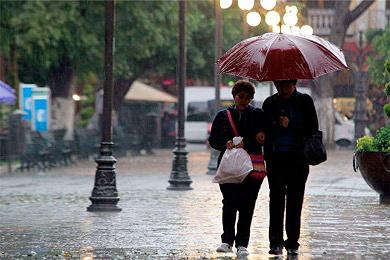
(320, 20)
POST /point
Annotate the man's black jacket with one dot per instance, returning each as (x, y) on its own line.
(248, 125)
(302, 118)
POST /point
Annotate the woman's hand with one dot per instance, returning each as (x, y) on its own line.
(260, 137)
(240, 145)
(230, 145)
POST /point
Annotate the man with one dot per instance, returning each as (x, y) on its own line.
(290, 116)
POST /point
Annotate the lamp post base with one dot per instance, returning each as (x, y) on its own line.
(179, 179)
(104, 194)
(103, 204)
(179, 185)
(213, 163)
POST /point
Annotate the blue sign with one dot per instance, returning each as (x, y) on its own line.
(26, 100)
(40, 115)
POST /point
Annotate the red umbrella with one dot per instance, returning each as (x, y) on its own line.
(277, 56)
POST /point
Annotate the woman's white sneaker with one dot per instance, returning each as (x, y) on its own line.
(225, 248)
(242, 251)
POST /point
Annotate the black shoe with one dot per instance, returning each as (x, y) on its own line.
(276, 250)
(292, 252)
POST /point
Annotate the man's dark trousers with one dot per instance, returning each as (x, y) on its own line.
(287, 174)
(242, 198)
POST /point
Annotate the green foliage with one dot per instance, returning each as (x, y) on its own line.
(382, 48)
(386, 109)
(87, 107)
(387, 65)
(146, 42)
(5, 112)
(382, 139)
(50, 33)
(365, 144)
(387, 89)
(372, 33)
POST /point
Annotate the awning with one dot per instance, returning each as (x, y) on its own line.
(142, 92)
(7, 94)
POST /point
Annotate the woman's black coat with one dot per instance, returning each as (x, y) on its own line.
(248, 125)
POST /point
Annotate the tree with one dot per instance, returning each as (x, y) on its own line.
(381, 45)
(323, 89)
(56, 42)
(146, 41)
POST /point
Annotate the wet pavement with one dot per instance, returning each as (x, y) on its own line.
(43, 214)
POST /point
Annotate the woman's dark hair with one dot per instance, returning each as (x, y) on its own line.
(243, 85)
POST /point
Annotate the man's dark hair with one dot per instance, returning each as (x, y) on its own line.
(286, 81)
(243, 85)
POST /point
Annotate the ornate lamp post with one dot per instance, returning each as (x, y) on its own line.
(213, 162)
(104, 194)
(179, 179)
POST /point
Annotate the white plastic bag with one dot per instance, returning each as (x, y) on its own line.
(234, 167)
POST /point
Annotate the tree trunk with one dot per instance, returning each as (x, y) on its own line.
(2, 67)
(14, 70)
(324, 91)
(121, 86)
(63, 115)
(62, 105)
(323, 101)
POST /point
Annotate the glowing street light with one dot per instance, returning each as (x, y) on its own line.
(272, 18)
(246, 4)
(306, 29)
(224, 4)
(76, 97)
(268, 4)
(290, 18)
(253, 19)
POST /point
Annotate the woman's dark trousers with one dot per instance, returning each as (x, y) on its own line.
(242, 198)
(287, 175)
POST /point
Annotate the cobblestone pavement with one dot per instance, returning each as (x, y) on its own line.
(43, 214)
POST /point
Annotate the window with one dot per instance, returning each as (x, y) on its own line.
(198, 112)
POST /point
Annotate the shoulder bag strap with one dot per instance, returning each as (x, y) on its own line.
(232, 123)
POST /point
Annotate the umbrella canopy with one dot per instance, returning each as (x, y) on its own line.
(277, 56)
(7, 94)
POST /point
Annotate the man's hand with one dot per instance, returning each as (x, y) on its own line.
(283, 121)
(260, 137)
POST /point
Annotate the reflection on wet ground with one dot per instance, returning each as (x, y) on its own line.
(44, 215)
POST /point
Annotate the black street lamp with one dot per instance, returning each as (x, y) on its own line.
(179, 179)
(213, 162)
(104, 194)
(360, 114)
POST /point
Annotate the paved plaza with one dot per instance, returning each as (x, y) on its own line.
(43, 214)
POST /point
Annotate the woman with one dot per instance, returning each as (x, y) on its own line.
(240, 197)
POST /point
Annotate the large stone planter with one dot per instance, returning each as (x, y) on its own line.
(375, 169)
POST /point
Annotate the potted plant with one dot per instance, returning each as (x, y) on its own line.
(373, 155)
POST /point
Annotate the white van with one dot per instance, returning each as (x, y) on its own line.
(198, 108)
